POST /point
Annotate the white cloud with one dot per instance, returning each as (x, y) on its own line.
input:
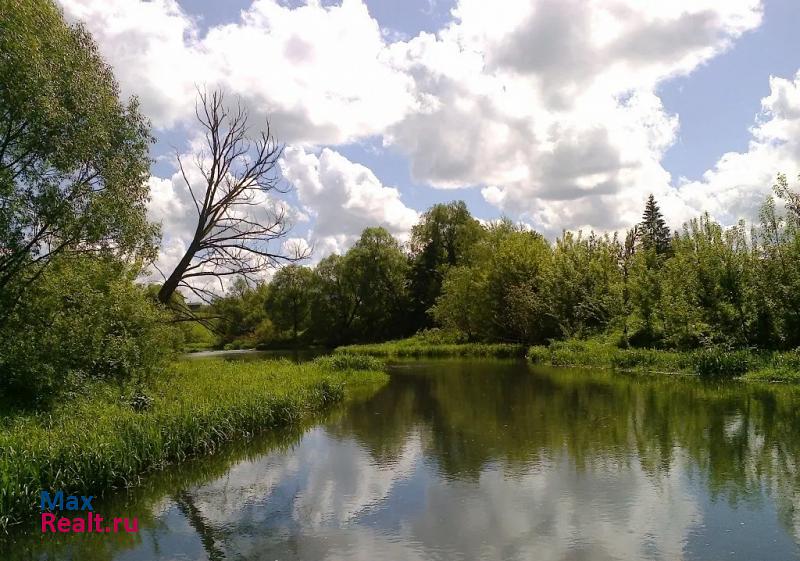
(343, 198)
(737, 185)
(550, 107)
(319, 72)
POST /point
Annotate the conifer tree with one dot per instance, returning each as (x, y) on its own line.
(653, 230)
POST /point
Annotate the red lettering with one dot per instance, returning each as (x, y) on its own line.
(48, 520)
(64, 524)
(78, 525)
(134, 527)
(116, 524)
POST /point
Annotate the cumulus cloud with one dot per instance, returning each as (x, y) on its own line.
(550, 107)
(318, 71)
(343, 197)
(737, 185)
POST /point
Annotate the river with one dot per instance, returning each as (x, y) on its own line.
(463, 460)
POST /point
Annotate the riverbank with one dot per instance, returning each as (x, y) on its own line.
(414, 347)
(110, 437)
(750, 365)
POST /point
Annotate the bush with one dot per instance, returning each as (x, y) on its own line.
(85, 320)
(342, 362)
(717, 362)
(539, 354)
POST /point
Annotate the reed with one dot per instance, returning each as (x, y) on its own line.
(109, 437)
(413, 348)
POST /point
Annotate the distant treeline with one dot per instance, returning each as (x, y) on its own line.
(702, 285)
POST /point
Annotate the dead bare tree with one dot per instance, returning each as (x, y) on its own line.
(238, 172)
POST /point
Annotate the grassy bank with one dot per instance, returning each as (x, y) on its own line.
(764, 366)
(414, 347)
(109, 438)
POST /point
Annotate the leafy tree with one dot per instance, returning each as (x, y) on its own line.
(73, 158)
(289, 302)
(791, 198)
(462, 305)
(585, 283)
(441, 239)
(706, 298)
(777, 277)
(241, 317)
(376, 268)
(653, 230)
(335, 301)
(362, 295)
(84, 319)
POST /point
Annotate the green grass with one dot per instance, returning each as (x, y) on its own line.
(706, 363)
(417, 348)
(108, 439)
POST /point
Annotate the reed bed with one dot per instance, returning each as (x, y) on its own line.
(413, 348)
(711, 363)
(111, 436)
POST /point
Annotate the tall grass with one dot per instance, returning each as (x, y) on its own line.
(706, 363)
(109, 438)
(412, 348)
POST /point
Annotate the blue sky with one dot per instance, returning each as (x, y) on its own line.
(560, 114)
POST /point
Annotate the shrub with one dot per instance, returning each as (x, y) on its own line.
(717, 362)
(85, 320)
(539, 354)
(341, 362)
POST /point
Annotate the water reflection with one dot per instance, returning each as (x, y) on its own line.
(489, 460)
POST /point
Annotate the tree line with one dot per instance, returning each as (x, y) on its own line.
(701, 285)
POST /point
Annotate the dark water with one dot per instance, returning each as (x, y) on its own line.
(487, 460)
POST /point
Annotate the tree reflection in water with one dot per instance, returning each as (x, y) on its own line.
(485, 460)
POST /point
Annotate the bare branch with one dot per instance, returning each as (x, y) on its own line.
(240, 174)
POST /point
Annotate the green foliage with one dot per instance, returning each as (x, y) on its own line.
(462, 305)
(585, 284)
(706, 287)
(443, 238)
(74, 159)
(718, 362)
(377, 269)
(342, 362)
(654, 234)
(85, 319)
(503, 283)
(195, 407)
(414, 347)
(362, 295)
(242, 320)
(288, 304)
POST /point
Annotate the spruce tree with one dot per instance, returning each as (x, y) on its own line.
(653, 231)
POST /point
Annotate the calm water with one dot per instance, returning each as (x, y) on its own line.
(487, 460)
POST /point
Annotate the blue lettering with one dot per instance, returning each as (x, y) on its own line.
(87, 502)
(57, 501)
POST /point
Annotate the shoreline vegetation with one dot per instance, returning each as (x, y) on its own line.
(399, 349)
(603, 353)
(709, 363)
(110, 436)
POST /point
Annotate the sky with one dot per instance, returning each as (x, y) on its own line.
(561, 114)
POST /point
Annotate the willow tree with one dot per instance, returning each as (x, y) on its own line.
(236, 221)
(73, 157)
